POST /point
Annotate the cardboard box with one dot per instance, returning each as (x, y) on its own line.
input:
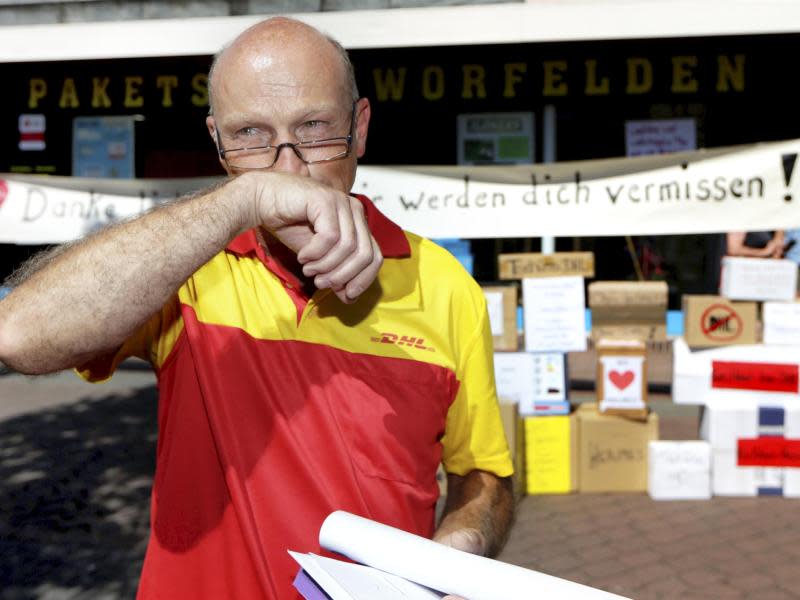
(534, 264)
(636, 299)
(514, 429)
(679, 470)
(582, 366)
(759, 279)
(627, 331)
(501, 301)
(612, 451)
(621, 381)
(781, 323)
(550, 454)
(716, 321)
(536, 381)
(754, 444)
(628, 309)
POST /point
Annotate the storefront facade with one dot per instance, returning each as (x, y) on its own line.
(721, 91)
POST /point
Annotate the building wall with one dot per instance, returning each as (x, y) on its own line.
(20, 12)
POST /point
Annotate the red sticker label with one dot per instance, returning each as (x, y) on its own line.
(765, 377)
(769, 452)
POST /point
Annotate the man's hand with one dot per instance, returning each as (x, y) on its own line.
(467, 539)
(326, 228)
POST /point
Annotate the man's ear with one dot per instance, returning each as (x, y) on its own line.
(212, 131)
(363, 113)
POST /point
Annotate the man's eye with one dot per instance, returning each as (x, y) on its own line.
(247, 132)
(314, 124)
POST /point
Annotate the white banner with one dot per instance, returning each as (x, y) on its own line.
(51, 210)
(746, 188)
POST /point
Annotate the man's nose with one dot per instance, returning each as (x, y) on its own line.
(287, 161)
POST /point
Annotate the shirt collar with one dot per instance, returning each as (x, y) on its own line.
(390, 237)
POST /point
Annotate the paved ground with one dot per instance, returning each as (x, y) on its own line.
(75, 471)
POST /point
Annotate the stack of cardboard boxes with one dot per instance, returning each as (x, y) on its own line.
(616, 431)
(750, 434)
(748, 388)
(601, 447)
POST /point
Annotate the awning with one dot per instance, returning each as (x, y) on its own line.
(504, 23)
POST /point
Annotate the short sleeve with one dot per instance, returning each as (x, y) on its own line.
(153, 341)
(474, 436)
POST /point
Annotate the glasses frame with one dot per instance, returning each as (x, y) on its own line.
(348, 139)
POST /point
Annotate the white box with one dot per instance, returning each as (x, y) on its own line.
(692, 372)
(726, 421)
(791, 430)
(745, 278)
(729, 479)
(679, 470)
(781, 322)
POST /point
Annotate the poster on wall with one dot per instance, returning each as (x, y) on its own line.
(31, 132)
(660, 136)
(495, 138)
(103, 147)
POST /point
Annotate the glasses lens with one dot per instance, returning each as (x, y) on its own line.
(256, 158)
(323, 150)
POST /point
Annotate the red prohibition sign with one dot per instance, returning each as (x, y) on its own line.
(726, 325)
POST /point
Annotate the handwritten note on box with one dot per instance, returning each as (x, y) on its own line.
(554, 314)
(548, 454)
(781, 323)
(679, 470)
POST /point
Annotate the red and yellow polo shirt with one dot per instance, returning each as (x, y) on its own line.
(277, 409)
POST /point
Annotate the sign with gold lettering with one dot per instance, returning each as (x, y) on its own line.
(534, 264)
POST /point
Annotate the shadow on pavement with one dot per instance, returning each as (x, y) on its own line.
(74, 498)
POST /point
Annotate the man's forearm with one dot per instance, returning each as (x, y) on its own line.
(478, 513)
(92, 296)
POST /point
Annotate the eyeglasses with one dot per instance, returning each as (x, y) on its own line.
(310, 152)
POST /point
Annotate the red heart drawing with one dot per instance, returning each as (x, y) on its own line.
(3, 191)
(621, 380)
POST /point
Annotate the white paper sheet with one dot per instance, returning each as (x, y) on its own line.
(528, 378)
(555, 314)
(622, 382)
(494, 305)
(442, 568)
(781, 322)
(347, 581)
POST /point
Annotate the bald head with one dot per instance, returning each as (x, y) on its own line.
(274, 41)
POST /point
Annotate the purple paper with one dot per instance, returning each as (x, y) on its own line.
(309, 588)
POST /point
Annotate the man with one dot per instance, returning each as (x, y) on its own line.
(311, 356)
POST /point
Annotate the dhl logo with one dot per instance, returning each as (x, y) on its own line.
(403, 340)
